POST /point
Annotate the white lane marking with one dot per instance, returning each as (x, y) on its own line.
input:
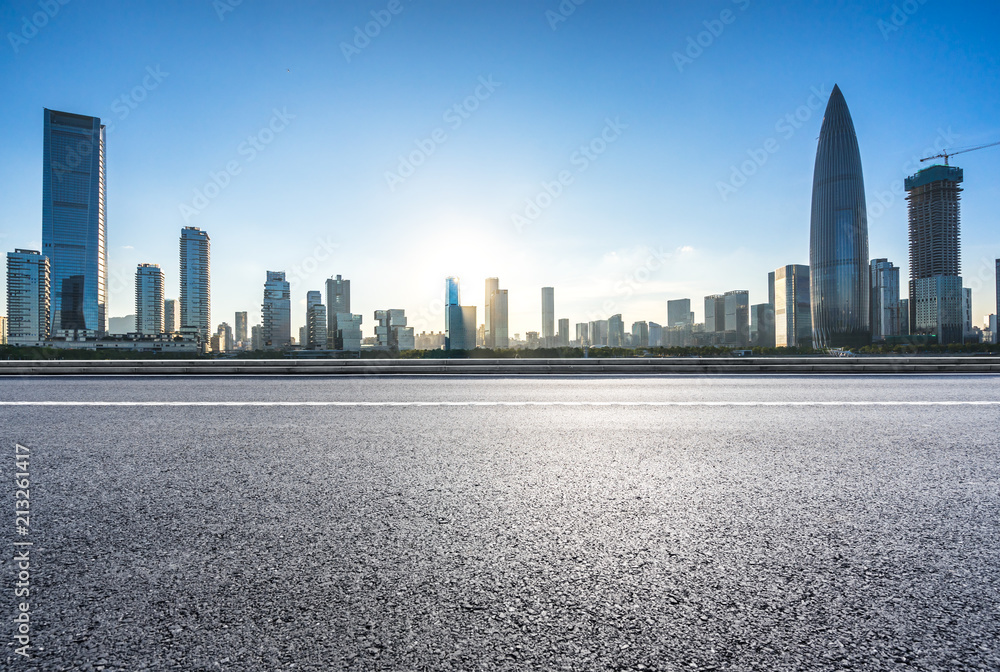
(367, 404)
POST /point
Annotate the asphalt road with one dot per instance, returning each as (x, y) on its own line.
(765, 523)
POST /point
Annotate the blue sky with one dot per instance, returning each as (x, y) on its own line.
(641, 213)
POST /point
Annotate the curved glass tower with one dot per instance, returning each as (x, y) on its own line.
(838, 240)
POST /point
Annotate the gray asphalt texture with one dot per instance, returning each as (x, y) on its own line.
(509, 537)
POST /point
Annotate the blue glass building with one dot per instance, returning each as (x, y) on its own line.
(838, 242)
(73, 222)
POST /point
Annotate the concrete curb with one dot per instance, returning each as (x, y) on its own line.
(506, 367)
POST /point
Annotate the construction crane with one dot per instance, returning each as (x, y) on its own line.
(959, 151)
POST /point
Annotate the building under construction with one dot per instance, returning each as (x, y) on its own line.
(935, 265)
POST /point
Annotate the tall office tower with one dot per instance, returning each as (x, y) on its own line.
(492, 286)
(838, 238)
(391, 331)
(149, 300)
(256, 339)
(616, 331)
(678, 312)
(562, 334)
(655, 335)
(737, 305)
(454, 330)
(997, 277)
(904, 317)
(599, 332)
(935, 258)
(548, 316)
(349, 332)
(884, 304)
(196, 282)
(452, 296)
(792, 310)
(169, 316)
(640, 335)
(74, 229)
(770, 288)
(762, 325)
(276, 312)
(498, 306)
(28, 307)
(338, 300)
(582, 334)
(224, 339)
(715, 313)
(241, 330)
(316, 334)
(3, 330)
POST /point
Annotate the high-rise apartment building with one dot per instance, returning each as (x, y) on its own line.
(679, 313)
(548, 316)
(562, 334)
(149, 300)
(241, 330)
(838, 239)
(28, 306)
(74, 229)
(884, 304)
(276, 312)
(196, 282)
(792, 309)
(935, 258)
(170, 324)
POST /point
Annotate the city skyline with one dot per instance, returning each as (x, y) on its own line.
(735, 207)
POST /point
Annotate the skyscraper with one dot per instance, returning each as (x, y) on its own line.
(196, 282)
(792, 311)
(148, 300)
(678, 312)
(316, 322)
(582, 334)
(548, 316)
(498, 307)
(74, 230)
(562, 336)
(452, 295)
(935, 258)
(838, 239)
(28, 304)
(276, 312)
(762, 325)
(737, 306)
(492, 286)
(884, 303)
(338, 300)
(640, 334)
(715, 313)
(169, 316)
(616, 331)
(241, 330)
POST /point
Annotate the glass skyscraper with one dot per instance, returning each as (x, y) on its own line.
(276, 312)
(149, 300)
(73, 222)
(548, 316)
(196, 283)
(838, 242)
